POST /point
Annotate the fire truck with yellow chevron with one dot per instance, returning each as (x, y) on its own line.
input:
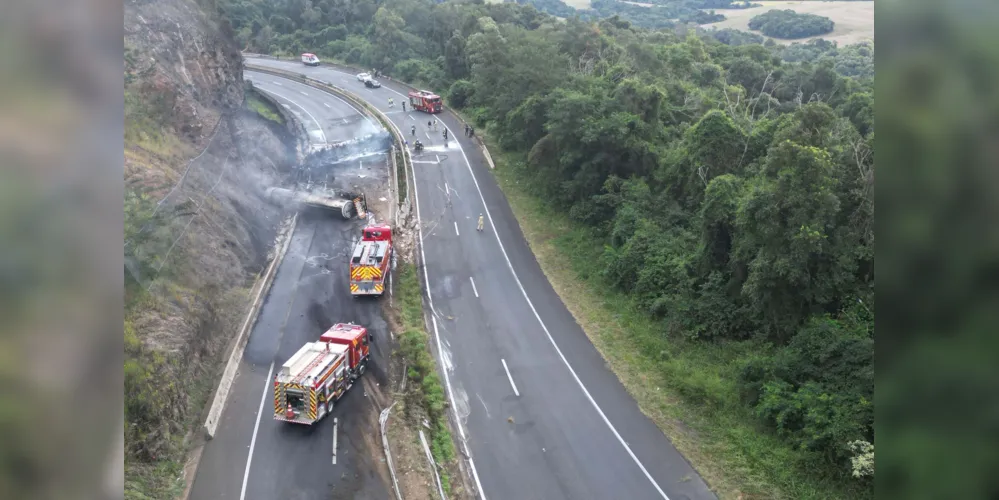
(320, 373)
(371, 260)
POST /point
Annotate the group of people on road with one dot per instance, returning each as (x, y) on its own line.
(469, 131)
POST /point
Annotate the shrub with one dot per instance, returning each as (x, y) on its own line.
(459, 93)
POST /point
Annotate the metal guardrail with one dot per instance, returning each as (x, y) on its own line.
(370, 110)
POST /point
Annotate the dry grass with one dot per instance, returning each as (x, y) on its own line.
(854, 20)
(416, 480)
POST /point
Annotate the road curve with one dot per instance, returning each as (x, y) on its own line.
(540, 413)
(253, 456)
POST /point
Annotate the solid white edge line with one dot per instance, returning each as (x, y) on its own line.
(318, 124)
(533, 309)
(256, 427)
(430, 300)
(510, 378)
(476, 290)
(437, 335)
(456, 228)
(552, 339)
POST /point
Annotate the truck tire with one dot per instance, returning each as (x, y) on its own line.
(329, 405)
(362, 367)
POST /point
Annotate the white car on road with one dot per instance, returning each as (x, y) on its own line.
(363, 77)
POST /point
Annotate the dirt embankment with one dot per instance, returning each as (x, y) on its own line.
(198, 230)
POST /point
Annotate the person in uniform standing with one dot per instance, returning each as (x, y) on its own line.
(482, 223)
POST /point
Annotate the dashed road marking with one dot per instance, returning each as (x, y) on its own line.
(510, 377)
(476, 290)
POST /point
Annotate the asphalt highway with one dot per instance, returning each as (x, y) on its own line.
(540, 414)
(253, 456)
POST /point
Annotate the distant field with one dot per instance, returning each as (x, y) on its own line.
(854, 20)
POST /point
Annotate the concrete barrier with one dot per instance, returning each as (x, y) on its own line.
(359, 104)
(475, 139)
(295, 127)
(231, 367)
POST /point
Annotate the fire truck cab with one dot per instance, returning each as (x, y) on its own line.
(357, 340)
(426, 101)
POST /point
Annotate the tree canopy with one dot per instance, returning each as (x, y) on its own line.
(790, 24)
(729, 188)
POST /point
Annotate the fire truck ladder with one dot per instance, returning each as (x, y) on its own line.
(308, 369)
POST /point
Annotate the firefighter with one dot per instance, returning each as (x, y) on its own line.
(391, 103)
(445, 135)
(413, 129)
(403, 106)
(482, 223)
(466, 130)
(430, 124)
(471, 131)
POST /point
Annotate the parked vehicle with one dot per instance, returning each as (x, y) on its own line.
(426, 101)
(372, 84)
(371, 261)
(308, 385)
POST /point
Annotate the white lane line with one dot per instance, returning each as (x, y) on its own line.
(459, 234)
(303, 93)
(476, 290)
(428, 135)
(256, 427)
(345, 120)
(551, 339)
(510, 377)
(426, 282)
(334, 440)
(321, 133)
(437, 336)
(327, 105)
(278, 84)
(447, 190)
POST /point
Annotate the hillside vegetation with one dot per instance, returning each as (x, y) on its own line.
(789, 24)
(718, 198)
(197, 230)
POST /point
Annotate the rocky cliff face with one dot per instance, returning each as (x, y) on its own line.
(183, 54)
(198, 227)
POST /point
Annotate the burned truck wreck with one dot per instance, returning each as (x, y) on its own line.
(326, 178)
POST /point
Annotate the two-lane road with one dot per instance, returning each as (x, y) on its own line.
(541, 415)
(252, 456)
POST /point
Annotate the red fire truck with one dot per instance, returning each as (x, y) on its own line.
(320, 373)
(423, 100)
(370, 261)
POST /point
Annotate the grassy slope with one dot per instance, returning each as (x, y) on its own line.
(263, 108)
(425, 389)
(687, 388)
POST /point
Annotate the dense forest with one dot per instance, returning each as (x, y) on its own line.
(789, 24)
(727, 188)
